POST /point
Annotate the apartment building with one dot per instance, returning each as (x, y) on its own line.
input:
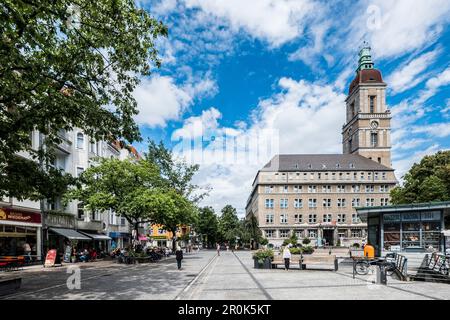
(315, 196)
(21, 221)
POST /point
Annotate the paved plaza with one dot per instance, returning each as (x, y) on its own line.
(206, 276)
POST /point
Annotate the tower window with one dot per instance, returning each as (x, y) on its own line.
(379, 160)
(374, 139)
(372, 104)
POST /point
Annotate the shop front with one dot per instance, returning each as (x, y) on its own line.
(407, 228)
(99, 242)
(66, 240)
(119, 239)
(20, 230)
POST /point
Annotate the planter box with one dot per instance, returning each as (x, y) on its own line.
(267, 264)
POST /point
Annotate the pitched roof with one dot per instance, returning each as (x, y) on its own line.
(322, 162)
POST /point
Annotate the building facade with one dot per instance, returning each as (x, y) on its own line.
(22, 222)
(315, 196)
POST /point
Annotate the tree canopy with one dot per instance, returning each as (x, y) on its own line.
(208, 225)
(68, 64)
(426, 181)
(229, 226)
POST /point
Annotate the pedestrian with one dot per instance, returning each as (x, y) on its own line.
(218, 249)
(287, 257)
(179, 256)
(27, 251)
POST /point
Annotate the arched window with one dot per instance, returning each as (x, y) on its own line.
(80, 140)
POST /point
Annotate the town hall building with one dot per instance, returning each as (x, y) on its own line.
(315, 195)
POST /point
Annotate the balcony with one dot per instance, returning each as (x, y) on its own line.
(60, 220)
(89, 225)
(66, 144)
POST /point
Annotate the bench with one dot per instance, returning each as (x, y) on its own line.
(9, 285)
(320, 260)
(278, 260)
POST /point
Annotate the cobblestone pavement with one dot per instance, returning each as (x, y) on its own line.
(206, 276)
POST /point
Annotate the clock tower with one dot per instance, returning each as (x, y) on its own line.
(367, 131)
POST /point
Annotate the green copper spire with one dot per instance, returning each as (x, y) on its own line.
(365, 58)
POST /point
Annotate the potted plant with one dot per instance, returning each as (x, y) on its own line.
(263, 258)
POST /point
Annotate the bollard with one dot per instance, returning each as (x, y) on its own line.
(381, 277)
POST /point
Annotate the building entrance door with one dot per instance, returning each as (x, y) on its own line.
(328, 235)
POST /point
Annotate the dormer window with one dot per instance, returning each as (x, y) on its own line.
(309, 166)
(338, 165)
(352, 165)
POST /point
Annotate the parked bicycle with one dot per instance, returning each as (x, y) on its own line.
(362, 267)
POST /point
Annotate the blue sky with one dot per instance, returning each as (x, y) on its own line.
(244, 68)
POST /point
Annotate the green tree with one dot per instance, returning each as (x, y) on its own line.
(176, 175)
(132, 190)
(208, 225)
(229, 226)
(426, 181)
(67, 64)
(252, 228)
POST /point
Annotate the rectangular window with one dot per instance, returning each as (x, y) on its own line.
(326, 189)
(356, 233)
(80, 210)
(341, 176)
(312, 189)
(298, 218)
(299, 234)
(298, 203)
(268, 189)
(384, 188)
(384, 202)
(370, 202)
(269, 218)
(123, 221)
(383, 176)
(355, 188)
(312, 218)
(355, 176)
(356, 202)
(297, 189)
(375, 176)
(312, 233)
(369, 176)
(341, 218)
(341, 203)
(362, 176)
(312, 203)
(374, 139)
(269, 203)
(284, 189)
(371, 104)
(284, 218)
(80, 170)
(327, 203)
(333, 176)
(341, 188)
(355, 218)
(370, 188)
(284, 233)
(269, 233)
(327, 218)
(283, 203)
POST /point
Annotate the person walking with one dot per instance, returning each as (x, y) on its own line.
(218, 249)
(27, 251)
(287, 257)
(179, 256)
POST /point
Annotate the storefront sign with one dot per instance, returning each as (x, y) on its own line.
(391, 217)
(431, 216)
(50, 259)
(14, 215)
(410, 216)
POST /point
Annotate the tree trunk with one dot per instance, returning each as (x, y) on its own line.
(174, 242)
(136, 236)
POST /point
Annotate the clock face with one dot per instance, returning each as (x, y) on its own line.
(374, 124)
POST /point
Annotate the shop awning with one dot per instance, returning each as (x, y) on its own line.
(96, 236)
(70, 234)
(446, 233)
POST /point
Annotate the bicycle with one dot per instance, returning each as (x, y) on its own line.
(362, 267)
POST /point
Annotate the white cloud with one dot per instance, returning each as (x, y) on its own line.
(408, 76)
(276, 21)
(298, 119)
(436, 130)
(160, 99)
(404, 25)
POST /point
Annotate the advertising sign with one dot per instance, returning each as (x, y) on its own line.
(14, 215)
(67, 254)
(50, 259)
